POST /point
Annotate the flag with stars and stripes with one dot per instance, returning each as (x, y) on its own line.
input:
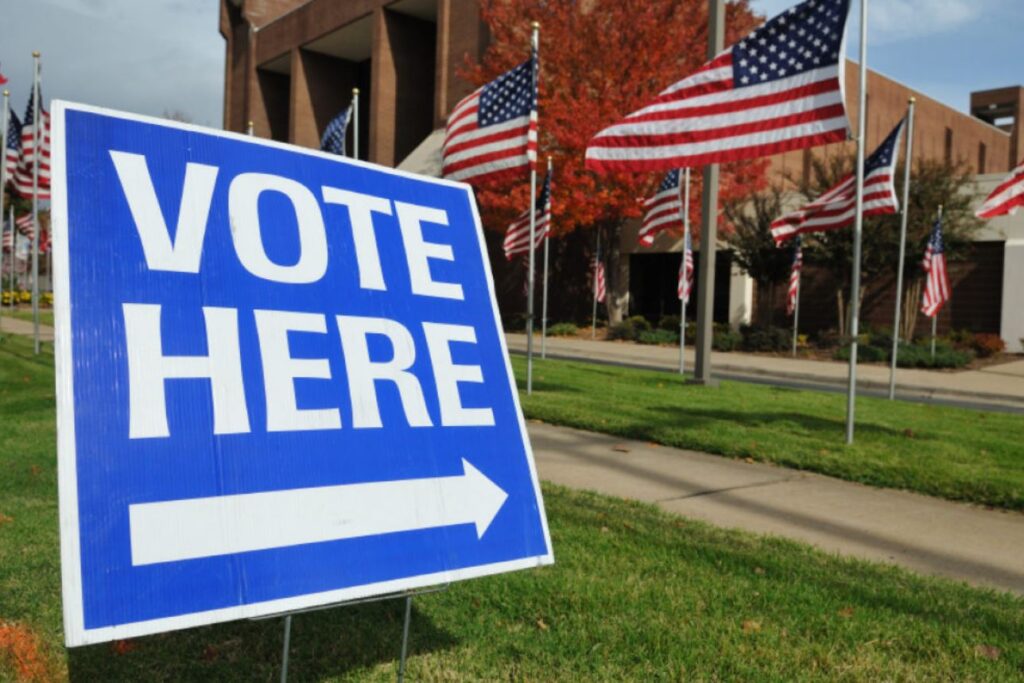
(837, 208)
(663, 211)
(13, 145)
(30, 155)
(685, 285)
(517, 237)
(1007, 197)
(936, 286)
(778, 89)
(794, 277)
(493, 132)
(25, 225)
(333, 140)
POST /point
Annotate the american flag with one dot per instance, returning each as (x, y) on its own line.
(685, 285)
(1007, 197)
(664, 211)
(7, 242)
(794, 277)
(936, 286)
(778, 89)
(30, 155)
(837, 208)
(13, 145)
(3, 79)
(517, 237)
(25, 225)
(333, 140)
(597, 280)
(493, 132)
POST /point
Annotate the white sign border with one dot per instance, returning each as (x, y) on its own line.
(75, 632)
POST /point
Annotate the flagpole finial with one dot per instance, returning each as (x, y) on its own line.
(35, 53)
(912, 99)
(7, 93)
(355, 91)
(535, 25)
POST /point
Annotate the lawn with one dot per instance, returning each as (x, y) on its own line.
(948, 452)
(45, 315)
(635, 594)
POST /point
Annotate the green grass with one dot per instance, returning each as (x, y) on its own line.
(45, 315)
(635, 594)
(948, 452)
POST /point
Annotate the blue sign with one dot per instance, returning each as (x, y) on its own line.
(282, 381)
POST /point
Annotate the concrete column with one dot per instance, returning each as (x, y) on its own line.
(1012, 325)
(741, 298)
(382, 93)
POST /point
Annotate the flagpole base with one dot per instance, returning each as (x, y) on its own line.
(710, 383)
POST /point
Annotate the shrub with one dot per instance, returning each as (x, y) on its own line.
(669, 322)
(726, 340)
(827, 339)
(865, 354)
(920, 356)
(987, 345)
(514, 323)
(766, 338)
(563, 330)
(629, 329)
(658, 337)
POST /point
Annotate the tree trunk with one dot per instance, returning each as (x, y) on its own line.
(911, 297)
(841, 309)
(616, 273)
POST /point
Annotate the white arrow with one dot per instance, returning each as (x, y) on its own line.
(204, 527)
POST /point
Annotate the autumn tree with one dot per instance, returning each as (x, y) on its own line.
(600, 60)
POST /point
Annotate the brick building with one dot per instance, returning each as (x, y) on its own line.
(291, 66)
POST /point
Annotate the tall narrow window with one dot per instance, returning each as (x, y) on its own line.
(982, 154)
(949, 147)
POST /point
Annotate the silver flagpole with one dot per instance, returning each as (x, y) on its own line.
(858, 226)
(903, 250)
(3, 184)
(36, 151)
(249, 128)
(535, 45)
(11, 274)
(544, 286)
(597, 262)
(355, 123)
(685, 173)
(796, 310)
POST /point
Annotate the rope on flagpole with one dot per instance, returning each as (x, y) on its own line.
(858, 226)
(903, 249)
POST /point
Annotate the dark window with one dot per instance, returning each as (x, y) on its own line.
(982, 153)
(949, 147)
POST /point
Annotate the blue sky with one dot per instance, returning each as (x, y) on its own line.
(156, 56)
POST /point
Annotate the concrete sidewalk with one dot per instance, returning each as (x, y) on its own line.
(999, 384)
(928, 535)
(11, 325)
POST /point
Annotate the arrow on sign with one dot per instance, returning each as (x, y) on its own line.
(176, 530)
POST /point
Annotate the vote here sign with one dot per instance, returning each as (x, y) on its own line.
(281, 381)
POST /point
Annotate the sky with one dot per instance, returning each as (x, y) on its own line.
(160, 56)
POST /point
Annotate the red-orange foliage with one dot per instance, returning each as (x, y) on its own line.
(600, 60)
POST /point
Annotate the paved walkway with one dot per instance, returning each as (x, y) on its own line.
(24, 327)
(999, 384)
(929, 535)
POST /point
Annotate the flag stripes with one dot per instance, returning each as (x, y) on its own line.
(30, 156)
(1007, 197)
(837, 208)
(517, 237)
(597, 279)
(684, 287)
(794, 277)
(936, 286)
(778, 89)
(493, 132)
(664, 211)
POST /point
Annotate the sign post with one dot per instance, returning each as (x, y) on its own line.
(290, 390)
